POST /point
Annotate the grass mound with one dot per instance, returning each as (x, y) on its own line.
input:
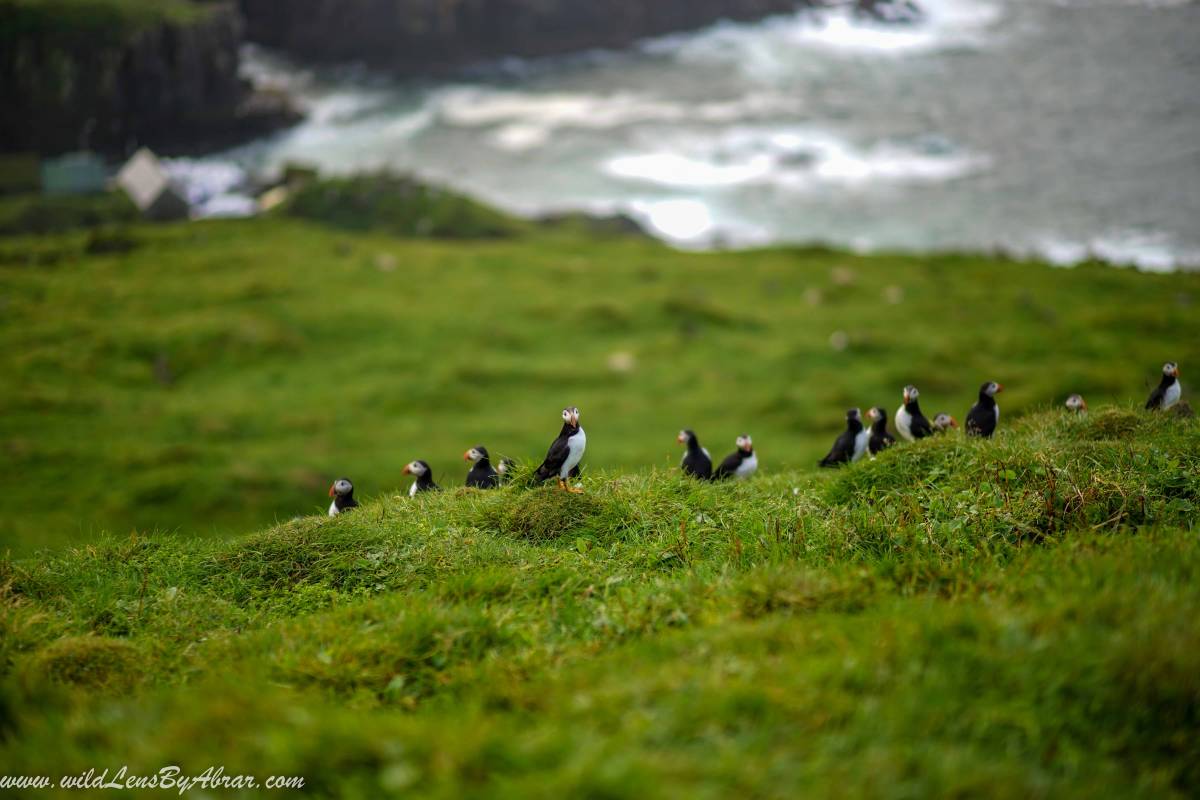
(89, 662)
(548, 512)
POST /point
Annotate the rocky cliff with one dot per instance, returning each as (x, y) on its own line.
(431, 35)
(96, 75)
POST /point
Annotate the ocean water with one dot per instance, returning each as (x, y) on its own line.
(1066, 128)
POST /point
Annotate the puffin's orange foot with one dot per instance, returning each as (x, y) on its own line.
(574, 490)
(563, 484)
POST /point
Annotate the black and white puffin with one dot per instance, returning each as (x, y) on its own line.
(943, 422)
(741, 463)
(342, 492)
(424, 477)
(1077, 404)
(481, 475)
(850, 443)
(696, 460)
(880, 439)
(1168, 391)
(910, 422)
(565, 453)
(985, 414)
(504, 469)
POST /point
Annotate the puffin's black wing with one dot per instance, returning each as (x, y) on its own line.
(880, 441)
(1156, 397)
(842, 451)
(482, 476)
(696, 463)
(556, 456)
(728, 466)
(981, 421)
(919, 426)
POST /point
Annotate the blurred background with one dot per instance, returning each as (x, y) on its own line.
(248, 247)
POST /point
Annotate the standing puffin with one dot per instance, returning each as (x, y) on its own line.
(944, 422)
(1168, 391)
(910, 422)
(504, 469)
(1077, 404)
(850, 444)
(696, 460)
(342, 492)
(481, 474)
(880, 439)
(424, 475)
(565, 453)
(741, 463)
(985, 414)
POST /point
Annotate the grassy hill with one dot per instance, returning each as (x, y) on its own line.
(1012, 618)
(214, 378)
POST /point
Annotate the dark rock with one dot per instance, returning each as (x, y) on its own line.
(429, 36)
(112, 83)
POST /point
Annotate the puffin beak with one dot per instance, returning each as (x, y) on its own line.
(467, 456)
(1177, 372)
(406, 470)
(1083, 405)
(953, 422)
(999, 388)
(331, 492)
(681, 438)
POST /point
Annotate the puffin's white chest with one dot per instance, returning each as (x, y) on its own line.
(575, 447)
(412, 490)
(904, 424)
(860, 443)
(333, 509)
(748, 466)
(996, 408)
(1171, 395)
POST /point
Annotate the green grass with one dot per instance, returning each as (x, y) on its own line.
(1010, 618)
(213, 378)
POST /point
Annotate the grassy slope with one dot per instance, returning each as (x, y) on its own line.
(218, 377)
(1011, 618)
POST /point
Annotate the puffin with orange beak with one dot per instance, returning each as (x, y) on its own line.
(850, 444)
(985, 414)
(565, 453)
(910, 422)
(1077, 404)
(880, 439)
(943, 422)
(424, 477)
(342, 492)
(481, 475)
(696, 460)
(741, 463)
(1168, 391)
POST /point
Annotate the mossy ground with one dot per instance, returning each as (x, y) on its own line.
(214, 378)
(1009, 618)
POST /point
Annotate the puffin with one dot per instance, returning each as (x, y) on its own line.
(850, 444)
(504, 469)
(910, 422)
(1168, 391)
(944, 422)
(424, 475)
(342, 492)
(565, 453)
(880, 439)
(983, 416)
(481, 475)
(741, 463)
(696, 460)
(1077, 404)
